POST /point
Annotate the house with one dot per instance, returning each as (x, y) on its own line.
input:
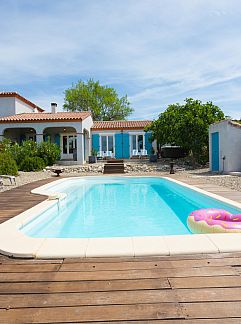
(20, 119)
(225, 146)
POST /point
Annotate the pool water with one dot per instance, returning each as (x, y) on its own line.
(120, 207)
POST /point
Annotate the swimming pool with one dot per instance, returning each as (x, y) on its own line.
(115, 216)
(119, 207)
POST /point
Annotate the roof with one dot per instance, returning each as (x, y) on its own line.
(235, 123)
(47, 117)
(16, 95)
(120, 124)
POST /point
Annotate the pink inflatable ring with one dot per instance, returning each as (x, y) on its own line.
(213, 220)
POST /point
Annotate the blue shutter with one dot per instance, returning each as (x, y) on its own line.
(57, 139)
(95, 142)
(148, 143)
(118, 146)
(126, 146)
(215, 151)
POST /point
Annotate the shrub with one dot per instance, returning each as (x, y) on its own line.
(5, 145)
(48, 152)
(30, 163)
(20, 151)
(8, 165)
(45, 152)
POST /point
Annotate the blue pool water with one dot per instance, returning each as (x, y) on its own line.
(118, 206)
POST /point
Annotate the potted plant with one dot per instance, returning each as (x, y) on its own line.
(93, 156)
(153, 156)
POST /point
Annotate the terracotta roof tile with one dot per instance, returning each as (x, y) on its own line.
(18, 96)
(48, 117)
(121, 124)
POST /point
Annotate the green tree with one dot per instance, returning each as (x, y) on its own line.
(102, 101)
(187, 125)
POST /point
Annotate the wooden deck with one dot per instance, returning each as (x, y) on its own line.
(192, 289)
(17, 200)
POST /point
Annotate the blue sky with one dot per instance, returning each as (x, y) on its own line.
(157, 52)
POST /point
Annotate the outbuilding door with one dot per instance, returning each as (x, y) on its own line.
(215, 151)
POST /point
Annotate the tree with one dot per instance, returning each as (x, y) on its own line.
(102, 101)
(187, 125)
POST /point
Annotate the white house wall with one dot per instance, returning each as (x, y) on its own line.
(229, 145)
(21, 107)
(40, 127)
(87, 123)
(7, 106)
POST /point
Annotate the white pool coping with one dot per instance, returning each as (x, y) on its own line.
(14, 243)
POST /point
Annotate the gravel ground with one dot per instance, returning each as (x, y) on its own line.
(230, 181)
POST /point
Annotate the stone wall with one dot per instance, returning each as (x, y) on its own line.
(129, 168)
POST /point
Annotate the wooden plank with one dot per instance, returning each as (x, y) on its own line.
(202, 282)
(112, 275)
(96, 266)
(29, 267)
(120, 298)
(87, 299)
(12, 261)
(212, 310)
(155, 258)
(180, 321)
(82, 286)
(92, 313)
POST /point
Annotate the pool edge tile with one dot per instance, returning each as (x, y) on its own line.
(150, 245)
(226, 242)
(18, 245)
(190, 244)
(62, 248)
(110, 247)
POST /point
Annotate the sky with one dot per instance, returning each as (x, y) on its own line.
(158, 52)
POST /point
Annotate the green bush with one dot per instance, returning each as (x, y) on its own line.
(48, 152)
(20, 151)
(45, 152)
(5, 145)
(32, 163)
(8, 165)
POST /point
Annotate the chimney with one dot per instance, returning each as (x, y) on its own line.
(53, 107)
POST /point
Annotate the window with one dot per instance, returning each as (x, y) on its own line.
(137, 142)
(69, 143)
(65, 138)
(140, 142)
(107, 143)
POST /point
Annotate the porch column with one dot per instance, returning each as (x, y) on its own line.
(80, 148)
(89, 146)
(39, 138)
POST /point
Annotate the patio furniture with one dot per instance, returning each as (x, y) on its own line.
(135, 153)
(57, 171)
(143, 153)
(12, 179)
(108, 155)
(100, 155)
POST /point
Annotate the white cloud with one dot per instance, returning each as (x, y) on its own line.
(158, 52)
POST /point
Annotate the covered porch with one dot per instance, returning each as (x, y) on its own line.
(73, 141)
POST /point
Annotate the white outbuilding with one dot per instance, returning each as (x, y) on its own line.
(225, 146)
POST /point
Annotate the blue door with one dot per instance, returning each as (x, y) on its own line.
(215, 151)
(122, 148)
